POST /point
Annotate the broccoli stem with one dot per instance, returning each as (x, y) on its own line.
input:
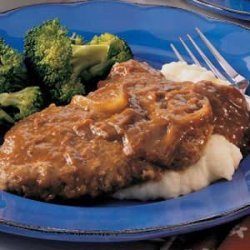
(4, 117)
(22, 103)
(85, 56)
(9, 100)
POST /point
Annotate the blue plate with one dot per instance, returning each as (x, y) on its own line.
(233, 8)
(149, 31)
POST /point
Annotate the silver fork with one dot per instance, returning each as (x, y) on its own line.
(236, 79)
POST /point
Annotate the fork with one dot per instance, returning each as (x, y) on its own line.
(236, 79)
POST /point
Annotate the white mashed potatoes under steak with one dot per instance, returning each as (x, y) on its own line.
(213, 165)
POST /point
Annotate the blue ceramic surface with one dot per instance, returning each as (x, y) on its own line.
(149, 31)
(233, 8)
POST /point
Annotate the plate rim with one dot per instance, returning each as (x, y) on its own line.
(142, 5)
(121, 236)
(242, 15)
(214, 5)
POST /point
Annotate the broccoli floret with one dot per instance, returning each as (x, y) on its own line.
(66, 91)
(61, 63)
(17, 105)
(13, 73)
(56, 59)
(48, 52)
(119, 51)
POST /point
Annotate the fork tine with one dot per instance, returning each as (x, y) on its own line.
(190, 52)
(221, 60)
(205, 58)
(178, 55)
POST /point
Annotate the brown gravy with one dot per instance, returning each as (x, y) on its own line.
(130, 130)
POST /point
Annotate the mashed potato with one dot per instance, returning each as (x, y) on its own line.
(181, 72)
(213, 165)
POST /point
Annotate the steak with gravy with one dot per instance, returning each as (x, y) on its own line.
(130, 130)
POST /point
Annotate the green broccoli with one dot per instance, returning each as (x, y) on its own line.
(62, 63)
(5, 118)
(17, 105)
(13, 73)
(119, 51)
